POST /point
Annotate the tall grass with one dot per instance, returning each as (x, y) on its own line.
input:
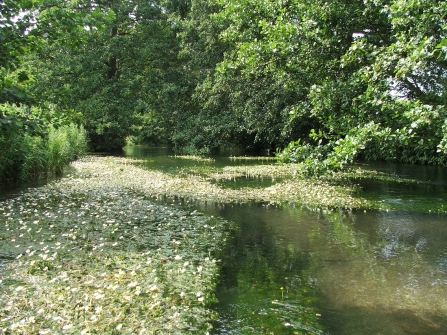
(65, 145)
(25, 157)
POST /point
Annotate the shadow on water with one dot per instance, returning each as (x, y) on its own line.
(418, 188)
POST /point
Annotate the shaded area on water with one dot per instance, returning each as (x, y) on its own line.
(421, 188)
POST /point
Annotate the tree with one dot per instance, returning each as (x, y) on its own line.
(109, 78)
(397, 113)
(25, 26)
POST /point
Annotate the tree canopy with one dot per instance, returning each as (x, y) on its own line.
(324, 83)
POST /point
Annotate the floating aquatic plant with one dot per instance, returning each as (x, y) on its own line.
(92, 255)
(194, 158)
(253, 158)
(201, 187)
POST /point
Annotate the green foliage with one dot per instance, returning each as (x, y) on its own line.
(118, 76)
(365, 79)
(31, 148)
(64, 145)
(26, 27)
(388, 104)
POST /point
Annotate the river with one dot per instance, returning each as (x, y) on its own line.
(288, 270)
(291, 271)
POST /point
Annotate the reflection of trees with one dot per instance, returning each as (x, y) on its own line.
(382, 273)
(265, 284)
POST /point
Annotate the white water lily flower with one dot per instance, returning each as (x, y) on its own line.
(132, 284)
(98, 295)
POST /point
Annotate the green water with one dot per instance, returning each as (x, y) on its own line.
(291, 271)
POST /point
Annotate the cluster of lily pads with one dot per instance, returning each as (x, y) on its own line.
(92, 254)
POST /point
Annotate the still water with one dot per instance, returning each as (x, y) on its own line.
(291, 271)
(287, 270)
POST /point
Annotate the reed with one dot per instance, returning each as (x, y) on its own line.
(65, 144)
(25, 157)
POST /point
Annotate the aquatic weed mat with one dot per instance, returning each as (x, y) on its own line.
(83, 257)
(199, 183)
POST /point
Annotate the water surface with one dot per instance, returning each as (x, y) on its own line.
(287, 270)
(291, 271)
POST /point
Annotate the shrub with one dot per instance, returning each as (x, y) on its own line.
(31, 148)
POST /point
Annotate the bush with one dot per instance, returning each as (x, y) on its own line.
(29, 149)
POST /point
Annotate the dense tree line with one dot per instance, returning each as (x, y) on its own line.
(324, 82)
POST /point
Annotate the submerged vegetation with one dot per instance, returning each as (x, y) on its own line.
(97, 252)
(93, 253)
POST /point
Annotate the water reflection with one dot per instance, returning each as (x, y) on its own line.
(365, 273)
(340, 273)
(265, 287)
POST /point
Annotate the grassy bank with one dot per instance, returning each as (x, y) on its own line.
(25, 156)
